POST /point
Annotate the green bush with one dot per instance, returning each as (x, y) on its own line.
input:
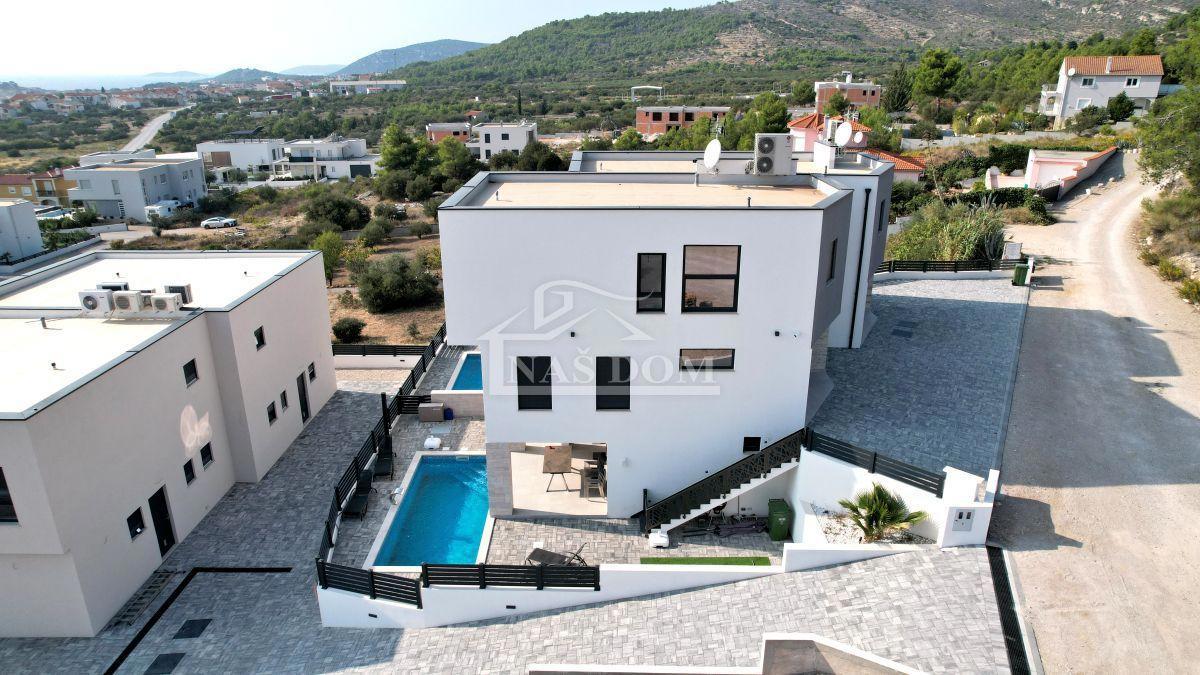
(908, 196)
(925, 130)
(1190, 291)
(348, 329)
(393, 185)
(375, 233)
(346, 212)
(430, 207)
(1149, 256)
(310, 231)
(950, 232)
(395, 283)
(223, 202)
(420, 230)
(1169, 271)
(386, 210)
(420, 188)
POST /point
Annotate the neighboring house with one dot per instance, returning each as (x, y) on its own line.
(1064, 168)
(331, 157)
(17, 186)
(34, 101)
(671, 322)
(908, 168)
(350, 87)
(1092, 80)
(249, 154)
(19, 232)
(124, 103)
(494, 137)
(120, 430)
(124, 188)
(860, 94)
(812, 127)
(48, 188)
(436, 131)
(659, 119)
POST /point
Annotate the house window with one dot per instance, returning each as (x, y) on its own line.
(260, 338)
(832, 262)
(487, 154)
(1083, 103)
(283, 400)
(8, 513)
(612, 382)
(206, 455)
(1131, 82)
(116, 188)
(189, 471)
(710, 278)
(657, 117)
(706, 359)
(751, 443)
(689, 117)
(651, 282)
(533, 383)
(487, 138)
(190, 374)
(136, 523)
(883, 210)
(271, 414)
(504, 137)
(312, 372)
(1088, 82)
(674, 117)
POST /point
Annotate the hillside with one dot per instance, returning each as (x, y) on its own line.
(241, 75)
(390, 59)
(731, 43)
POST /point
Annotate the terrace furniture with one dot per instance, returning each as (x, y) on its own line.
(594, 476)
(540, 556)
(385, 464)
(357, 508)
(556, 461)
(431, 412)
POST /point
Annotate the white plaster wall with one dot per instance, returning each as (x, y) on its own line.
(862, 259)
(247, 156)
(35, 531)
(19, 233)
(42, 597)
(804, 556)
(518, 138)
(1105, 88)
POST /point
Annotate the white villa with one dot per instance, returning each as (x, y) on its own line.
(1092, 80)
(493, 137)
(331, 157)
(123, 188)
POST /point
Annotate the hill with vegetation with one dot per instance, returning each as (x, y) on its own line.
(386, 60)
(242, 75)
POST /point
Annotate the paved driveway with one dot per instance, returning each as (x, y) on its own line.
(1101, 472)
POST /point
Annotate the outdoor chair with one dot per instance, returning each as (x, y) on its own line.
(593, 480)
(385, 464)
(357, 508)
(540, 556)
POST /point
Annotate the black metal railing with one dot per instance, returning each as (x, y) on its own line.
(722, 482)
(529, 576)
(369, 582)
(945, 265)
(875, 462)
(377, 350)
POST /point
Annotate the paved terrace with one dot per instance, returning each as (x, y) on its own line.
(931, 384)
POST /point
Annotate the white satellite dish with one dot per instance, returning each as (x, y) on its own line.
(858, 137)
(712, 154)
(1070, 72)
(843, 134)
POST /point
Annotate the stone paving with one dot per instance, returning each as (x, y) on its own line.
(931, 385)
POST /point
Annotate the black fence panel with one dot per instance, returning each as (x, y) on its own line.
(529, 576)
(945, 265)
(875, 462)
(369, 583)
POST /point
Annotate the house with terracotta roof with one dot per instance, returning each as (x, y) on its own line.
(808, 129)
(1092, 80)
(908, 168)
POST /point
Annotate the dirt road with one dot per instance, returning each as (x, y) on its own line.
(1101, 468)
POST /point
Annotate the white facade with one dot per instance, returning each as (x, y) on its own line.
(493, 137)
(100, 412)
(1094, 80)
(19, 232)
(332, 157)
(251, 154)
(348, 87)
(123, 189)
(109, 156)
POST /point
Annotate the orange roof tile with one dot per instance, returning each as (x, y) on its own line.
(1121, 65)
(902, 162)
(817, 121)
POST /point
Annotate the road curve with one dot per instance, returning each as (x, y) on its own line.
(150, 130)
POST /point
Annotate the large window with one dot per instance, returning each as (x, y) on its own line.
(706, 359)
(710, 278)
(533, 383)
(612, 382)
(8, 512)
(651, 282)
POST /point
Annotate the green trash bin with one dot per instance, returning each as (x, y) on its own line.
(1020, 274)
(779, 519)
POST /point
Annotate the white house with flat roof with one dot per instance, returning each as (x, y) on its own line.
(109, 156)
(123, 189)
(251, 155)
(350, 87)
(1093, 80)
(123, 423)
(20, 235)
(331, 157)
(493, 137)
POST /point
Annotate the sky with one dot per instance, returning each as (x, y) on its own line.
(135, 37)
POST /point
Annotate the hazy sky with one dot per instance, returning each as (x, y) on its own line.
(127, 37)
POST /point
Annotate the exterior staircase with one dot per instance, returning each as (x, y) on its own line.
(715, 489)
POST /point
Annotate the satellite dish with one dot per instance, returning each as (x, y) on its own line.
(1070, 72)
(712, 154)
(843, 134)
(858, 138)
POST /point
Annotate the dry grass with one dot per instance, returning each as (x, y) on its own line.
(392, 327)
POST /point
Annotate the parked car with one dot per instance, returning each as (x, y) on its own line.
(218, 221)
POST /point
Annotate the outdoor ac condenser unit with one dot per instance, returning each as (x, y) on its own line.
(184, 290)
(773, 155)
(96, 300)
(128, 301)
(166, 302)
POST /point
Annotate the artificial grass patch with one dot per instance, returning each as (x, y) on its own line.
(758, 561)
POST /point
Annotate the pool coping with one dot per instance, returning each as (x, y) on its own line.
(462, 359)
(485, 538)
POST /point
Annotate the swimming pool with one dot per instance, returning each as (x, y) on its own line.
(441, 516)
(470, 374)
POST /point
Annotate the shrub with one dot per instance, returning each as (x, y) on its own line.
(346, 299)
(926, 131)
(430, 207)
(903, 195)
(223, 202)
(1149, 256)
(420, 230)
(385, 210)
(413, 331)
(355, 256)
(1169, 271)
(392, 184)
(538, 156)
(1088, 118)
(348, 329)
(877, 511)
(375, 233)
(346, 212)
(420, 188)
(1190, 291)
(330, 245)
(950, 232)
(505, 160)
(395, 283)
(431, 260)
(451, 185)
(310, 231)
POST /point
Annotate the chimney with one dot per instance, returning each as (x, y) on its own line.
(849, 76)
(1108, 66)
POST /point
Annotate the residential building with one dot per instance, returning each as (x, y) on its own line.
(106, 156)
(436, 131)
(860, 94)
(678, 316)
(493, 137)
(1092, 80)
(252, 155)
(124, 103)
(16, 186)
(120, 430)
(19, 232)
(906, 168)
(331, 157)
(351, 87)
(812, 127)
(34, 101)
(658, 119)
(123, 189)
(48, 188)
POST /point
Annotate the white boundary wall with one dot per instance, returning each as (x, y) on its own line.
(406, 362)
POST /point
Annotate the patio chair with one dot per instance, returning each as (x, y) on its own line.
(357, 508)
(593, 480)
(556, 460)
(540, 556)
(385, 463)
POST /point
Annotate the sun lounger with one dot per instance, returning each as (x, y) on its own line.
(540, 556)
(357, 508)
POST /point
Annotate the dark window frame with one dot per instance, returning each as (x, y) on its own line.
(312, 371)
(751, 443)
(538, 395)
(883, 210)
(283, 402)
(646, 298)
(683, 365)
(136, 523)
(260, 338)
(612, 392)
(189, 472)
(832, 274)
(504, 136)
(192, 377)
(736, 277)
(272, 414)
(8, 509)
(206, 455)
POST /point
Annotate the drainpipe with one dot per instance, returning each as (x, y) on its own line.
(862, 249)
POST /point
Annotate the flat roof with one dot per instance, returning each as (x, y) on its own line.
(9, 201)
(218, 278)
(675, 163)
(41, 362)
(634, 193)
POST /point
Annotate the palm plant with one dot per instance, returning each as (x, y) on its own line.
(878, 511)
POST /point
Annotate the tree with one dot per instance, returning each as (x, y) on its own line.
(897, 91)
(877, 511)
(936, 73)
(1182, 58)
(926, 131)
(537, 156)
(596, 144)
(882, 135)
(355, 256)
(398, 151)
(420, 188)
(505, 160)
(802, 93)
(375, 233)
(1168, 139)
(331, 246)
(392, 184)
(1087, 118)
(1143, 43)
(1120, 107)
(395, 283)
(837, 104)
(455, 160)
(629, 139)
(329, 207)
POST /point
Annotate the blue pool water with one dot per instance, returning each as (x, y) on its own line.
(441, 517)
(470, 376)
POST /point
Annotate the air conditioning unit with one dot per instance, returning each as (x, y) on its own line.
(773, 155)
(166, 302)
(96, 300)
(184, 290)
(129, 301)
(113, 285)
